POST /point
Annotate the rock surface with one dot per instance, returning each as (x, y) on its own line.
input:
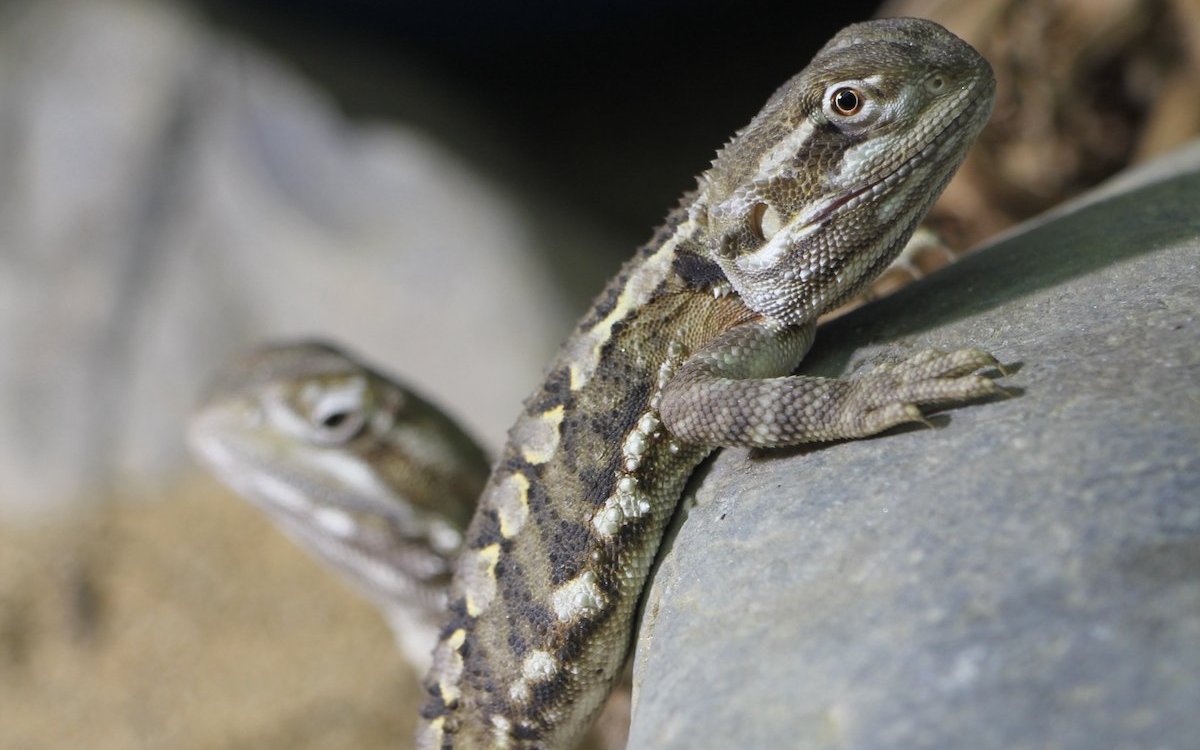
(1027, 575)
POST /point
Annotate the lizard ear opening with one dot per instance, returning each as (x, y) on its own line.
(765, 221)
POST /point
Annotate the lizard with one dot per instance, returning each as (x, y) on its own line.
(358, 469)
(691, 347)
(366, 475)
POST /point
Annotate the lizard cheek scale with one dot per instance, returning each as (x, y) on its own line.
(690, 347)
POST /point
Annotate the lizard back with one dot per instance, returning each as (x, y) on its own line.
(573, 513)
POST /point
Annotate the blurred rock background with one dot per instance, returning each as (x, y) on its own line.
(442, 189)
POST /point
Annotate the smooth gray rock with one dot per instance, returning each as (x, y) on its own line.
(1027, 575)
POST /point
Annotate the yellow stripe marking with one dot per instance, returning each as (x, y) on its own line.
(480, 580)
(585, 350)
(512, 503)
(538, 436)
(450, 663)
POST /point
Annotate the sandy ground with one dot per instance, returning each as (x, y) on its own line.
(188, 623)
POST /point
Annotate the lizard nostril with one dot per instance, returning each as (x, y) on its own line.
(935, 84)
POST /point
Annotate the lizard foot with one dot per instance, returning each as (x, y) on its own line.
(892, 394)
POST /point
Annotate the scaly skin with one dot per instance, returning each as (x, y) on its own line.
(357, 469)
(689, 348)
(360, 471)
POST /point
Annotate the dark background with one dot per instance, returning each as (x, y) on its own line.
(610, 107)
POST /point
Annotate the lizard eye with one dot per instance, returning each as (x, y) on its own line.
(853, 106)
(337, 415)
(846, 101)
(934, 84)
(335, 420)
(338, 425)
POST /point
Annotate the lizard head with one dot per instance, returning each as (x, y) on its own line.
(814, 198)
(358, 469)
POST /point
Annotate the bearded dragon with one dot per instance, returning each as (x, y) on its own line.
(361, 472)
(692, 346)
(358, 469)
(821, 190)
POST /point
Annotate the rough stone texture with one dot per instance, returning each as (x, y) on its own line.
(1027, 575)
(169, 198)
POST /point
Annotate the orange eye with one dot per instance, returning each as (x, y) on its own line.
(846, 101)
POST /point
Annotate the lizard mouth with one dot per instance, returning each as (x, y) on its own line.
(828, 212)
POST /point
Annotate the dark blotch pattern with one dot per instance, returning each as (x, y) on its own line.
(696, 271)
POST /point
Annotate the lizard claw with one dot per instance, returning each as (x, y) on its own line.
(892, 395)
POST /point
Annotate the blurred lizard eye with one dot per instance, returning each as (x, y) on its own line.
(339, 425)
(846, 101)
(335, 420)
(337, 414)
(935, 83)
